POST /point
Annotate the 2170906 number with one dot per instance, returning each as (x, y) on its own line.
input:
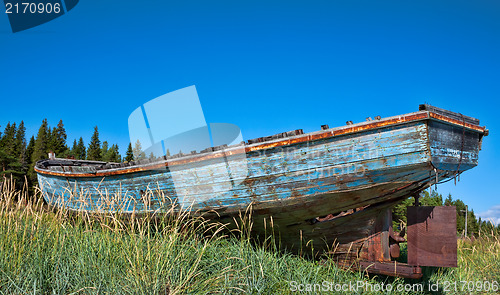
(27, 7)
(470, 286)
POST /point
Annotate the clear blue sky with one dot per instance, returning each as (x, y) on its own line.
(266, 66)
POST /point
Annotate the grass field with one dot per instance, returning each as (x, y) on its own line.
(45, 252)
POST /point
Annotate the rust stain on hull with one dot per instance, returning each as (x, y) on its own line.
(457, 122)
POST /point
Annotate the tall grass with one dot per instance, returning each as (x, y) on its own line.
(55, 252)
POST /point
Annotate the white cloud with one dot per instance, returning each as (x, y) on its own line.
(492, 214)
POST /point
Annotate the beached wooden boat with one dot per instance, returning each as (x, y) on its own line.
(330, 191)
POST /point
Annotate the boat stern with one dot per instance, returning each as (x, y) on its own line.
(454, 141)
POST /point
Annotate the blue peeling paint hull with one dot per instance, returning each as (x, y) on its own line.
(293, 184)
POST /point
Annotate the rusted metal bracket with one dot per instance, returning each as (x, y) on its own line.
(392, 268)
(431, 242)
(394, 239)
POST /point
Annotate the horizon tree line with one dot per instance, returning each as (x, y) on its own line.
(18, 156)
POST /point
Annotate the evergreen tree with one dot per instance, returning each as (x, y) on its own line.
(431, 199)
(58, 140)
(9, 166)
(74, 148)
(459, 204)
(399, 212)
(112, 154)
(115, 156)
(104, 151)
(462, 209)
(7, 142)
(9, 162)
(472, 224)
(40, 149)
(138, 152)
(129, 156)
(81, 151)
(94, 149)
(448, 201)
(20, 147)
